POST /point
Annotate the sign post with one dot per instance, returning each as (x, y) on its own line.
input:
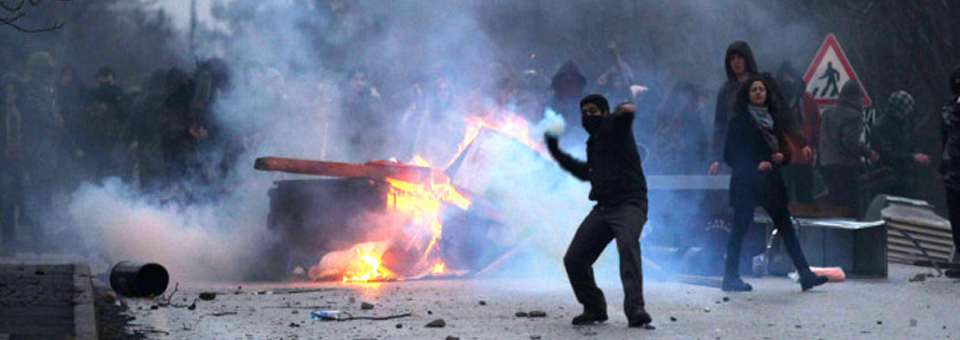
(828, 72)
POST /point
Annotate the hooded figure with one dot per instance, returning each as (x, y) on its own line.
(802, 109)
(950, 167)
(680, 142)
(619, 187)
(892, 139)
(841, 147)
(747, 67)
(567, 86)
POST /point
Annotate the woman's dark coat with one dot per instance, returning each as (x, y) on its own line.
(745, 149)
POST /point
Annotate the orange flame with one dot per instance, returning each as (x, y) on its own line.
(419, 205)
(507, 123)
(371, 269)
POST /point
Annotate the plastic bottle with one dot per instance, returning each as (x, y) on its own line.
(327, 315)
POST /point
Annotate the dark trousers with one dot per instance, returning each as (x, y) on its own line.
(953, 204)
(844, 186)
(8, 214)
(743, 218)
(622, 222)
(799, 181)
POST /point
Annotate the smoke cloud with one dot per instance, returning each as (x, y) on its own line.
(290, 61)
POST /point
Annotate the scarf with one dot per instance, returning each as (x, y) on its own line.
(761, 116)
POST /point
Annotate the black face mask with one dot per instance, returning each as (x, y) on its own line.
(591, 123)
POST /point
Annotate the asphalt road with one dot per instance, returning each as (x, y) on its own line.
(892, 308)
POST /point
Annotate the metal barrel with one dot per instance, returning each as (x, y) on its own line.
(137, 279)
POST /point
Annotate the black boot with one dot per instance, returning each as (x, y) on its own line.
(639, 318)
(590, 317)
(735, 285)
(810, 280)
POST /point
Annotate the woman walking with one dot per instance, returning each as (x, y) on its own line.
(756, 150)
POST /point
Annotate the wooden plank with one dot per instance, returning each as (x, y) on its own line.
(923, 239)
(932, 248)
(374, 170)
(922, 230)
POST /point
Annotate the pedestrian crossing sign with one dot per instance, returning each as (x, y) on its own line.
(828, 72)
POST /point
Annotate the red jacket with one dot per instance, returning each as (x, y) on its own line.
(811, 121)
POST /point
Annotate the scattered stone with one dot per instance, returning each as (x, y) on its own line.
(522, 314)
(673, 319)
(649, 327)
(192, 306)
(538, 314)
(208, 296)
(450, 337)
(717, 302)
(534, 337)
(154, 307)
(353, 300)
(438, 323)
(797, 326)
(399, 326)
(429, 312)
(864, 332)
(913, 322)
(706, 309)
(483, 303)
(918, 278)
(294, 325)
(726, 299)
(879, 322)
(366, 305)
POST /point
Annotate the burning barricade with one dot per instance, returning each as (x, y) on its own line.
(382, 221)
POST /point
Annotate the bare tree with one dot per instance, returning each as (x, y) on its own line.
(16, 10)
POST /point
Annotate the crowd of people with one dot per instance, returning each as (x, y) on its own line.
(163, 132)
(768, 124)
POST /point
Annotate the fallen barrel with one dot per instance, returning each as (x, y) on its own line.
(137, 279)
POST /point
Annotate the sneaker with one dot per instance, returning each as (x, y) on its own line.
(735, 285)
(589, 318)
(639, 318)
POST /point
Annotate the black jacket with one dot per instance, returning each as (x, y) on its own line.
(950, 135)
(891, 139)
(744, 150)
(613, 162)
(728, 94)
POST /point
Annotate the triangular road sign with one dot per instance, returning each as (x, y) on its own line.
(828, 72)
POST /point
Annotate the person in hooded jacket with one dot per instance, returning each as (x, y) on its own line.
(805, 112)
(892, 139)
(756, 152)
(740, 66)
(950, 167)
(567, 87)
(841, 148)
(618, 185)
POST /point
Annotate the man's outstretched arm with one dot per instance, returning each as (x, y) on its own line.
(574, 166)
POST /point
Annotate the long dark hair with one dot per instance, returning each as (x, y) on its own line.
(775, 103)
(743, 97)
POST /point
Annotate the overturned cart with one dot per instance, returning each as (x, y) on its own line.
(388, 220)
